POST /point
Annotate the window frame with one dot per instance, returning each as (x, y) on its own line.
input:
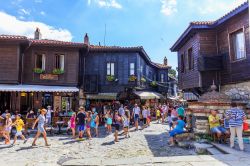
(232, 46)
(190, 59)
(162, 77)
(109, 66)
(183, 62)
(131, 68)
(59, 65)
(43, 67)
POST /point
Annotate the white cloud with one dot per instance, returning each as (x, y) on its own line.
(106, 3)
(168, 7)
(27, 28)
(24, 11)
(213, 6)
(43, 13)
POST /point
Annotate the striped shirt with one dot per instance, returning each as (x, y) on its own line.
(236, 116)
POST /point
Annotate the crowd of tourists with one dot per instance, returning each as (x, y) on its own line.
(87, 121)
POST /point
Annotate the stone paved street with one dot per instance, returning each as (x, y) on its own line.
(146, 147)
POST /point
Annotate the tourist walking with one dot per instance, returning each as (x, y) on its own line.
(117, 121)
(19, 127)
(49, 115)
(81, 116)
(136, 115)
(88, 124)
(73, 125)
(121, 110)
(236, 117)
(108, 117)
(40, 128)
(158, 114)
(95, 122)
(145, 116)
(125, 120)
(7, 128)
(148, 116)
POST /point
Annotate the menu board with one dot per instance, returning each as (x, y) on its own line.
(57, 102)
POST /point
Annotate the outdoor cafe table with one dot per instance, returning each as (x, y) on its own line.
(59, 124)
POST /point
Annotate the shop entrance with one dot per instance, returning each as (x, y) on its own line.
(47, 100)
(26, 102)
(4, 101)
(66, 103)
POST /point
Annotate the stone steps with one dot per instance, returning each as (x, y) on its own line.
(214, 151)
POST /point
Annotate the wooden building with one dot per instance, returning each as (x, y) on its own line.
(215, 51)
(37, 72)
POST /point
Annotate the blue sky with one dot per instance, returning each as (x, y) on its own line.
(153, 24)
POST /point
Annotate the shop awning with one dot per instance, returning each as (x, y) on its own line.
(36, 88)
(102, 96)
(149, 95)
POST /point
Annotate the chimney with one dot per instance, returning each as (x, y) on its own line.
(86, 39)
(38, 34)
(165, 62)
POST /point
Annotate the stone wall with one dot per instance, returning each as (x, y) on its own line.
(200, 112)
(238, 92)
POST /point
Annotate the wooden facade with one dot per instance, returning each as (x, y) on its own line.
(212, 51)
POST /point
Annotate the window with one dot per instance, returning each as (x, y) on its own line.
(110, 68)
(59, 61)
(162, 77)
(132, 69)
(182, 63)
(238, 45)
(40, 61)
(190, 59)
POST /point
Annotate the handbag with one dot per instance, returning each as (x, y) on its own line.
(245, 126)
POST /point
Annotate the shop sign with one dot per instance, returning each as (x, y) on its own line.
(48, 77)
(57, 102)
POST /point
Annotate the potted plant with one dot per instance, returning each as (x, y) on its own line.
(132, 78)
(38, 70)
(153, 84)
(58, 71)
(143, 79)
(110, 78)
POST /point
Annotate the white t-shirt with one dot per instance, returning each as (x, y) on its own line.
(136, 110)
(145, 113)
(121, 111)
(48, 114)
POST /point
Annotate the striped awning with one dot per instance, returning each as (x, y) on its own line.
(36, 88)
(149, 95)
(102, 96)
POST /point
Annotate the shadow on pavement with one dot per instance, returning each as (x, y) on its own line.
(108, 143)
(26, 148)
(73, 141)
(6, 147)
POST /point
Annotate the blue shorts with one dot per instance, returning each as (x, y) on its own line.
(175, 132)
(218, 129)
(136, 117)
(81, 128)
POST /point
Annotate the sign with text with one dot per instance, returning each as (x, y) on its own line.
(48, 77)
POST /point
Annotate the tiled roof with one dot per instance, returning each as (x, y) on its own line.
(12, 37)
(98, 47)
(162, 66)
(208, 24)
(55, 43)
(202, 23)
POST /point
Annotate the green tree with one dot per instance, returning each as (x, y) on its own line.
(172, 72)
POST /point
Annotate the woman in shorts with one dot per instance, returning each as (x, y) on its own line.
(41, 130)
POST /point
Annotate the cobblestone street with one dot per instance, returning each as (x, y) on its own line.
(150, 142)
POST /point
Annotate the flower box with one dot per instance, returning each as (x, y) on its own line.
(110, 78)
(143, 79)
(58, 71)
(153, 84)
(132, 78)
(38, 70)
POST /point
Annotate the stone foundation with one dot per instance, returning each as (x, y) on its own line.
(238, 92)
(200, 112)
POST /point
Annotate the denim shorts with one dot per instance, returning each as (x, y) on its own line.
(81, 128)
(136, 117)
(218, 129)
(175, 132)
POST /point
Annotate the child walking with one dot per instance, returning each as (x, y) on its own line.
(73, 125)
(7, 128)
(88, 124)
(41, 122)
(109, 122)
(125, 120)
(19, 127)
